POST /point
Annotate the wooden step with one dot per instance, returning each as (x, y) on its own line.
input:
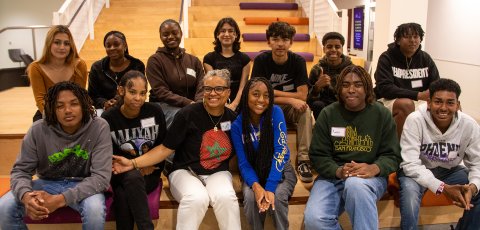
(202, 13)
(231, 2)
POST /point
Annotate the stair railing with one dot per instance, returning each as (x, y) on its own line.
(67, 15)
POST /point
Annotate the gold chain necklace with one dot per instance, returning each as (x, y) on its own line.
(215, 129)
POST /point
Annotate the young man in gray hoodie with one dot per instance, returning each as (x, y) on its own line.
(71, 153)
(435, 140)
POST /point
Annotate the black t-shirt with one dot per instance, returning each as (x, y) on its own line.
(197, 145)
(132, 138)
(286, 77)
(234, 64)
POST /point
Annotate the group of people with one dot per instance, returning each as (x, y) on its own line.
(201, 120)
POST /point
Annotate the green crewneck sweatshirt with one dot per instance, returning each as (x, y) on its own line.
(341, 136)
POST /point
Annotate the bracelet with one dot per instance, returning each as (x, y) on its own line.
(440, 189)
(134, 163)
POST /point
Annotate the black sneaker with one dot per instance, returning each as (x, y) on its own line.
(305, 172)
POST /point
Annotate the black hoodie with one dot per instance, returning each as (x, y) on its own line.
(326, 94)
(397, 78)
(102, 82)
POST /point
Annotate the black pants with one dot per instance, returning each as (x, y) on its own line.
(130, 199)
(316, 107)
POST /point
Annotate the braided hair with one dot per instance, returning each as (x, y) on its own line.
(88, 111)
(261, 160)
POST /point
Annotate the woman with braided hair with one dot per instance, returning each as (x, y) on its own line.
(259, 136)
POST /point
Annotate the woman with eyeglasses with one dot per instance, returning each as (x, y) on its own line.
(227, 55)
(200, 137)
(106, 73)
(59, 62)
(174, 75)
(259, 135)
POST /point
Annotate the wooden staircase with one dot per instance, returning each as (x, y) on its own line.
(138, 20)
(204, 15)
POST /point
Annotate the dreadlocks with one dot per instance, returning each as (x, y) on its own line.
(364, 77)
(261, 160)
(408, 28)
(51, 98)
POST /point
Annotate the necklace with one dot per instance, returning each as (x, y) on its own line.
(408, 64)
(215, 128)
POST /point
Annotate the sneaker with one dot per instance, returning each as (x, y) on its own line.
(305, 172)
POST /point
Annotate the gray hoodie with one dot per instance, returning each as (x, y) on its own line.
(54, 154)
(425, 147)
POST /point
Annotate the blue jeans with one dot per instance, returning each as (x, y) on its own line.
(411, 194)
(91, 209)
(358, 197)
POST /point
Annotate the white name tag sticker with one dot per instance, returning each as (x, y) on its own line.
(288, 87)
(417, 84)
(338, 132)
(191, 72)
(147, 122)
(226, 125)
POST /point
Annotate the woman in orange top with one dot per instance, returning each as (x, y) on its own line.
(59, 62)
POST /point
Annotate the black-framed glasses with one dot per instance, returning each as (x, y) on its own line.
(217, 89)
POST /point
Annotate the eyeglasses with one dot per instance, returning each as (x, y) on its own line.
(217, 89)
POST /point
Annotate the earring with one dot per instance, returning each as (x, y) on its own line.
(229, 101)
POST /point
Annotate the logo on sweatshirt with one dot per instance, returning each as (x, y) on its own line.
(279, 157)
(440, 151)
(352, 142)
(59, 156)
(410, 73)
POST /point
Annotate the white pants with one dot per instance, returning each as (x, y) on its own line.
(194, 199)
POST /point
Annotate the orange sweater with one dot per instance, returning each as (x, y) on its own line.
(40, 82)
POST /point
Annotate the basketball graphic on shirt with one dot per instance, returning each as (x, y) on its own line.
(215, 148)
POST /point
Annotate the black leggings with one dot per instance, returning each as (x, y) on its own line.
(130, 199)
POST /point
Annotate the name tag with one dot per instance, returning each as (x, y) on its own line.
(191, 72)
(147, 122)
(417, 84)
(288, 87)
(226, 125)
(338, 132)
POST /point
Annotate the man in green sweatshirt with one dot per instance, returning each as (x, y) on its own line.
(354, 148)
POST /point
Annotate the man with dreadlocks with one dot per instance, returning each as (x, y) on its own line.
(259, 135)
(354, 149)
(70, 151)
(404, 73)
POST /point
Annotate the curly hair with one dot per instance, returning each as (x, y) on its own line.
(406, 28)
(444, 84)
(261, 160)
(51, 98)
(222, 73)
(364, 77)
(232, 23)
(280, 29)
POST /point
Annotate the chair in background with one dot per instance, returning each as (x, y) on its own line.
(15, 54)
(27, 59)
